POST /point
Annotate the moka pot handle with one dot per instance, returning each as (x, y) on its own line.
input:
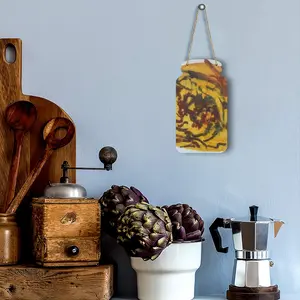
(215, 234)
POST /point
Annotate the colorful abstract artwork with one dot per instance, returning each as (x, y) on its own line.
(201, 108)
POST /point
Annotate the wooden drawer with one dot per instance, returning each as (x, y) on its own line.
(67, 218)
(54, 251)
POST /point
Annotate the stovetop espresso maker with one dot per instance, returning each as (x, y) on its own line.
(251, 274)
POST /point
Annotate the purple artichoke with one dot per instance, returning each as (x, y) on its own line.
(144, 231)
(114, 202)
(186, 223)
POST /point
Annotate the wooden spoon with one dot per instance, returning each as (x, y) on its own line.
(20, 116)
(52, 143)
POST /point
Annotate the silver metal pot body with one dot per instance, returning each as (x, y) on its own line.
(252, 263)
(252, 273)
(250, 236)
(65, 190)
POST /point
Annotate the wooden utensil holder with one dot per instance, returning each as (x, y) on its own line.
(66, 232)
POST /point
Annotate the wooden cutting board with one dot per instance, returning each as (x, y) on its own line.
(10, 91)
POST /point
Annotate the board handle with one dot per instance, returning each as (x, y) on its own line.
(11, 71)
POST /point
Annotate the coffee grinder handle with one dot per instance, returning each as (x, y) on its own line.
(215, 234)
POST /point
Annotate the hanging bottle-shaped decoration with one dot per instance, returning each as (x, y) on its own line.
(201, 103)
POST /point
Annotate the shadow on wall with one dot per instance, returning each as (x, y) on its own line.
(229, 106)
(216, 268)
(124, 275)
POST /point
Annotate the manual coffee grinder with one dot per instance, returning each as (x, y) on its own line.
(251, 274)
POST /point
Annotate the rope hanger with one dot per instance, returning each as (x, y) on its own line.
(201, 7)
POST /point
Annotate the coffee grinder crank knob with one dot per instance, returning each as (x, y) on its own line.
(108, 155)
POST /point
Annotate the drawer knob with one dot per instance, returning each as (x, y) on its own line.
(72, 251)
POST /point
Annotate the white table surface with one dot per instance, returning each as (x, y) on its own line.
(282, 297)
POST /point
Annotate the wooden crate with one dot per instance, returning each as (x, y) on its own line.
(34, 283)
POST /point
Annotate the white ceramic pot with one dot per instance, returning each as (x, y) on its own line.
(172, 275)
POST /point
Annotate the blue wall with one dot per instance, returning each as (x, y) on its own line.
(112, 66)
